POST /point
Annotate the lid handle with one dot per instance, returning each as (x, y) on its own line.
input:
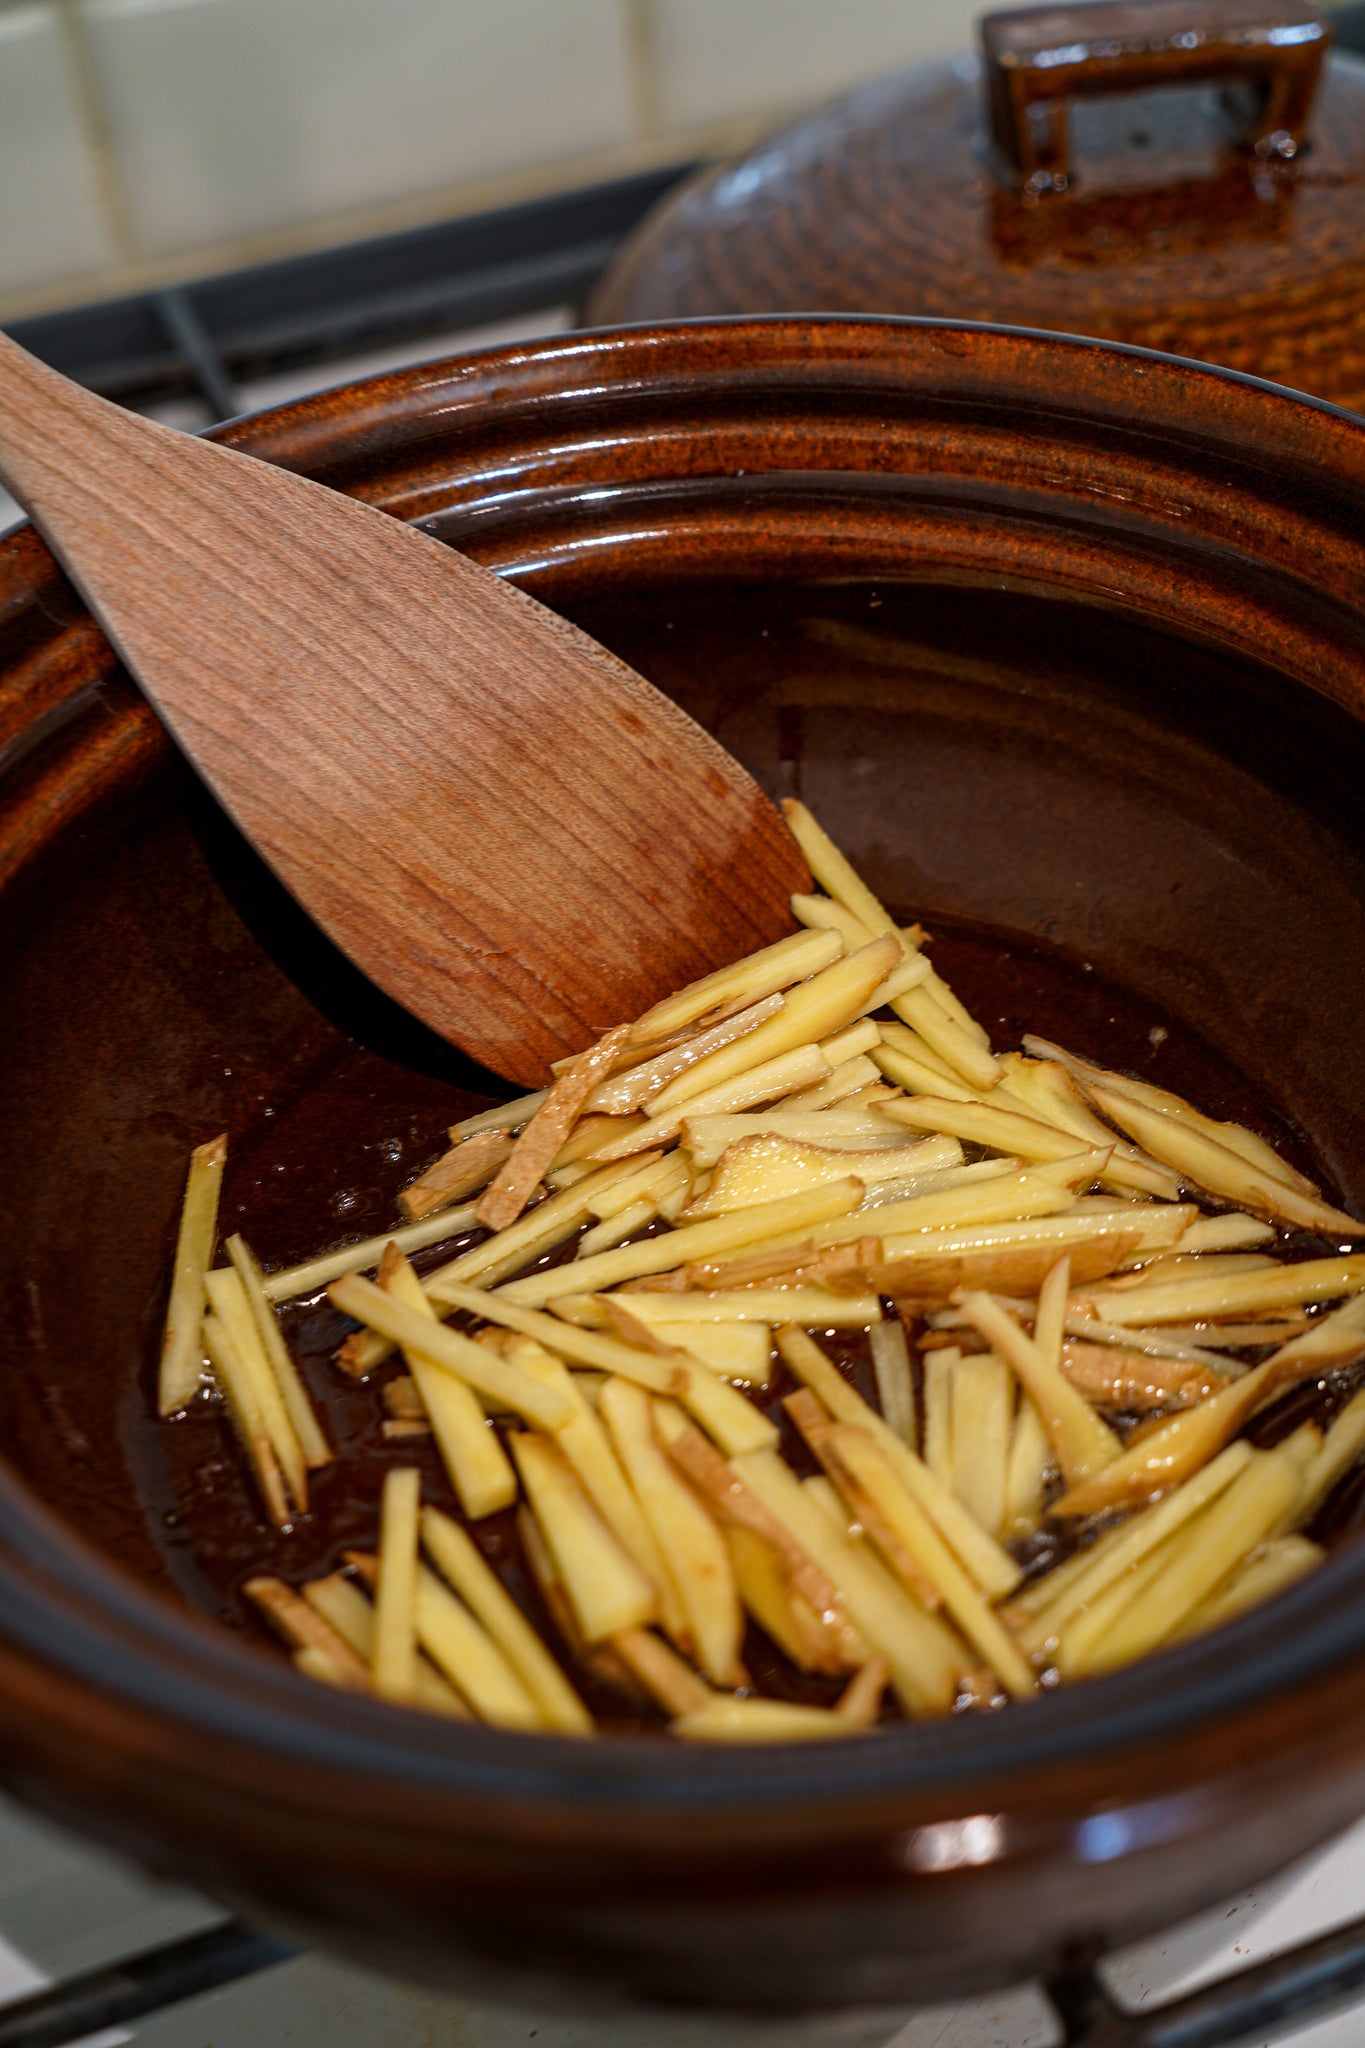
(1039, 57)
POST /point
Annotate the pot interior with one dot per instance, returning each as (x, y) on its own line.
(1133, 843)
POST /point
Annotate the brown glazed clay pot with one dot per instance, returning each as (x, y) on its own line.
(1058, 182)
(1066, 644)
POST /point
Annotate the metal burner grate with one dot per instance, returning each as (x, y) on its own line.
(1253, 2005)
(206, 338)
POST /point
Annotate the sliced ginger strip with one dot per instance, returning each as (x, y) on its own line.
(479, 1470)
(181, 1349)
(239, 1391)
(1026, 1475)
(605, 1587)
(1182, 1446)
(633, 1089)
(313, 1274)
(805, 1638)
(339, 1600)
(760, 974)
(1044, 1089)
(735, 1423)
(859, 1469)
(895, 1383)
(671, 1683)
(1268, 1571)
(719, 1484)
(993, 1569)
(1002, 1258)
(924, 1656)
(586, 1445)
(911, 1073)
(860, 1702)
(684, 1531)
(810, 1012)
(789, 1073)
(983, 1416)
(450, 1351)
(303, 1628)
(1196, 1300)
(1201, 1160)
(836, 875)
(1133, 1542)
(849, 1077)
(546, 1226)
(1217, 1542)
(1109, 1377)
(543, 1137)
(232, 1311)
(504, 1116)
(992, 1124)
(740, 1227)
(394, 1662)
(724, 1719)
(463, 1170)
(297, 1400)
(1083, 1443)
(463, 1650)
(460, 1561)
(939, 1368)
(1233, 1137)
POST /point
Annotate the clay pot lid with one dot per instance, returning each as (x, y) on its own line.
(1058, 182)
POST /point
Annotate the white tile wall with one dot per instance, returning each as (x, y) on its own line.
(50, 223)
(226, 130)
(225, 117)
(717, 57)
(147, 140)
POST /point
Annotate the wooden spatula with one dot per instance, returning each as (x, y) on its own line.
(509, 830)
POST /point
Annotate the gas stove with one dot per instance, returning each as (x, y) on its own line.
(91, 1952)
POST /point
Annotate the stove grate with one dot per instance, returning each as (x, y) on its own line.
(202, 338)
(134, 1986)
(1258, 2004)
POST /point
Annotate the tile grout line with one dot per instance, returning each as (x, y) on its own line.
(642, 60)
(96, 135)
(449, 203)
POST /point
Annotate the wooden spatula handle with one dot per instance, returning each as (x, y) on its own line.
(46, 421)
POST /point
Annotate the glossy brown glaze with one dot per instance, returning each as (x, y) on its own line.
(1159, 225)
(1058, 641)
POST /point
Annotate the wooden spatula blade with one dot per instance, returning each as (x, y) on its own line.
(504, 826)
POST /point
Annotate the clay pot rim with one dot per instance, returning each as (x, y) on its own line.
(659, 347)
(612, 336)
(68, 1609)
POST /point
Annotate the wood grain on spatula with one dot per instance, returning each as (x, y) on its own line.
(510, 831)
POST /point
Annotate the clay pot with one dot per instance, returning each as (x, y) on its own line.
(1067, 645)
(1057, 182)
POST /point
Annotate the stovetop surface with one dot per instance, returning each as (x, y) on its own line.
(66, 1909)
